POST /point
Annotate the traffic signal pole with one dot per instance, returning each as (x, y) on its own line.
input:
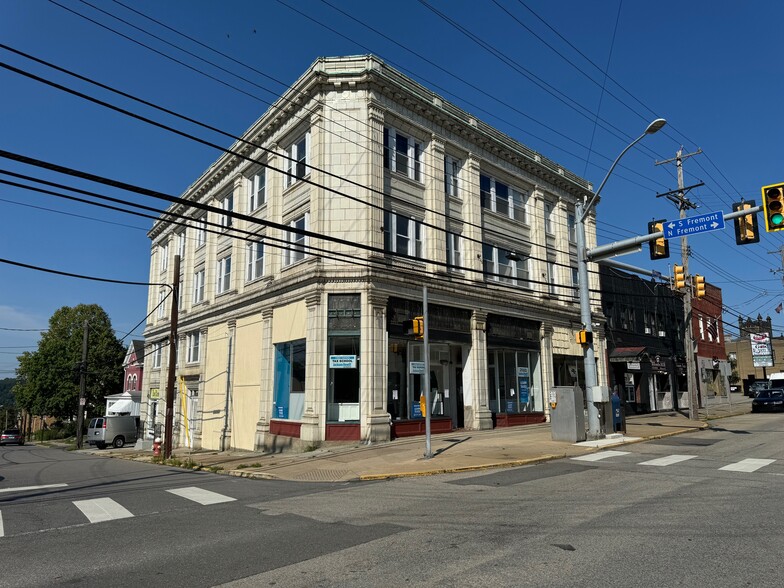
(426, 380)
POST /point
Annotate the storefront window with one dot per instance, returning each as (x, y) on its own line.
(514, 381)
(343, 324)
(289, 380)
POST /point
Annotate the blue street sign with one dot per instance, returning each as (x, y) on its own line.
(691, 225)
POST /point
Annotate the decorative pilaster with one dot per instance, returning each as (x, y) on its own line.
(472, 216)
(315, 371)
(266, 380)
(275, 206)
(538, 242)
(375, 178)
(435, 206)
(376, 419)
(481, 417)
(562, 272)
(546, 363)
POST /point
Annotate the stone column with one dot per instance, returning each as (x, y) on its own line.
(481, 418)
(275, 208)
(435, 206)
(375, 178)
(375, 418)
(563, 273)
(267, 379)
(315, 372)
(546, 365)
(472, 216)
(538, 261)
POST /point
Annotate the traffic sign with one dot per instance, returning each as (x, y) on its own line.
(691, 225)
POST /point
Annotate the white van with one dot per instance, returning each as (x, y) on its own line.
(112, 430)
(776, 380)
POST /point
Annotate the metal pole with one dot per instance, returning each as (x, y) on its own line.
(169, 423)
(589, 359)
(82, 388)
(426, 342)
(228, 396)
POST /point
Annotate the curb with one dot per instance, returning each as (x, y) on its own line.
(455, 470)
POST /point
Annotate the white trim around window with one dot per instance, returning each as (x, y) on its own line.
(255, 261)
(454, 251)
(297, 242)
(498, 267)
(402, 154)
(201, 230)
(502, 198)
(227, 205)
(163, 255)
(298, 159)
(257, 190)
(452, 168)
(223, 275)
(403, 235)
(157, 354)
(198, 285)
(193, 347)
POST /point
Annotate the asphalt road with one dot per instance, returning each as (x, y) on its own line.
(701, 509)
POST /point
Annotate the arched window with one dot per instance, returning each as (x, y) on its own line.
(133, 383)
(128, 385)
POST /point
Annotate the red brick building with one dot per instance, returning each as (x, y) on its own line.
(713, 369)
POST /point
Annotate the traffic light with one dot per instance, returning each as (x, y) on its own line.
(746, 227)
(699, 286)
(660, 248)
(773, 205)
(680, 277)
(584, 337)
(416, 327)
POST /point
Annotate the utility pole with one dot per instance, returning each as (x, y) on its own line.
(169, 423)
(683, 205)
(82, 388)
(426, 379)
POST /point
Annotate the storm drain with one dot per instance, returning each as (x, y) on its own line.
(327, 476)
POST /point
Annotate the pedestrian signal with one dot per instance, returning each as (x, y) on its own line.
(416, 327)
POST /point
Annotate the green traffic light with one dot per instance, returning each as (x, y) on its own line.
(776, 219)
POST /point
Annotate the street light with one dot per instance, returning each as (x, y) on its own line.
(581, 212)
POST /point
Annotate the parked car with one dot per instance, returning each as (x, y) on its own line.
(768, 400)
(11, 436)
(756, 387)
(112, 430)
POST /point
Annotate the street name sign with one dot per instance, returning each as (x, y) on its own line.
(691, 225)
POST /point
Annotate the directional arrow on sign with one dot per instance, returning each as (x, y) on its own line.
(692, 225)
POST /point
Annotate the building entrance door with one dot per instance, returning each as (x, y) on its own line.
(443, 398)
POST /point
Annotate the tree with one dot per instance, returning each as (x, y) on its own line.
(48, 378)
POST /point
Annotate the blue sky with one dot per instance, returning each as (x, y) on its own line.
(709, 68)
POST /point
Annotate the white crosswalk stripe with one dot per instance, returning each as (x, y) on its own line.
(747, 465)
(667, 460)
(601, 455)
(99, 510)
(200, 495)
(2, 530)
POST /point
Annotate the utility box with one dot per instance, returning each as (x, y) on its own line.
(567, 419)
(599, 394)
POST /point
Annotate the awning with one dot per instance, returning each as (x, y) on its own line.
(622, 354)
(121, 406)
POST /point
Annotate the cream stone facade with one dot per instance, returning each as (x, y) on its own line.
(303, 255)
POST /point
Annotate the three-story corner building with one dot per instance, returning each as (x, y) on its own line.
(322, 225)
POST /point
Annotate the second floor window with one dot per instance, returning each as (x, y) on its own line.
(161, 303)
(255, 261)
(201, 231)
(157, 354)
(298, 159)
(402, 154)
(297, 241)
(193, 344)
(548, 218)
(454, 251)
(181, 243)
(403, 235)
(258, 190)
(571, 225)
(227, 205)
(223, 275)
(198, 286)
(501, 265)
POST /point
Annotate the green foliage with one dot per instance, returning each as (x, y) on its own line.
(6, 393)
(48, 378)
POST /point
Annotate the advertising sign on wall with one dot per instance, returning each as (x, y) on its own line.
(761, 352)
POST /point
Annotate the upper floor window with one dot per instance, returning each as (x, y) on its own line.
(223, 275)
(402, 154)
(298, 154)
(227, 205)
(201, 231)
(297, 241)
(193, 344)
(501, 198)
(548, 218)
(198, 286)
(258, 190)
(454, 251)
(255, 259)
(181, 243)
(161, 303)
(452, 176)
(502, 265)
(403, 235)
(157, 353)
(163, 254)
(552, 286)
(181, 295)
(702, 328)
(571, 225)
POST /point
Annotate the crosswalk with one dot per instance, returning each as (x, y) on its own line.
(103, 509)
(748, 465)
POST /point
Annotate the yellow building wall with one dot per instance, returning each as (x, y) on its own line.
(289, 322)
(246, 393)
(214, 404)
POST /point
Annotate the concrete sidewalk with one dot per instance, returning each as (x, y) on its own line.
(452, 452)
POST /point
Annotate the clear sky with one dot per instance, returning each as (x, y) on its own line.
(535, 69)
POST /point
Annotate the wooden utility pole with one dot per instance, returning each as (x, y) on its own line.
(683, 205)
(169, 423)
(82, 388)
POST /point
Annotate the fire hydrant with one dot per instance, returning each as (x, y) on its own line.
(156, 447)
